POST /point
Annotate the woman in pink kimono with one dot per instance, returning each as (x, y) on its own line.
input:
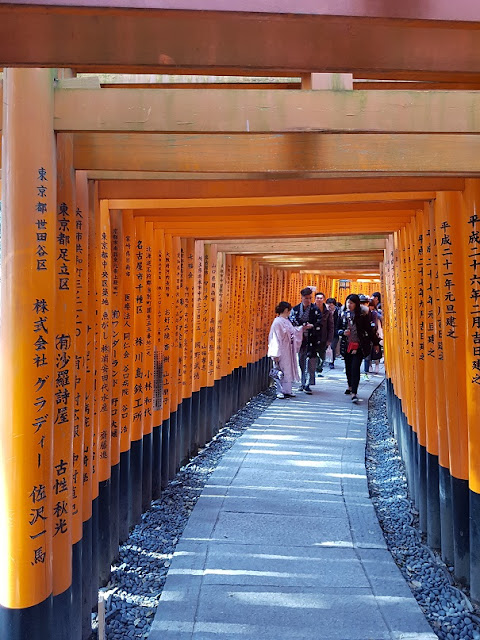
(284, 341)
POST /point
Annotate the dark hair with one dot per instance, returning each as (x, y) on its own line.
(306, 292)
(281, 306)
(377, 295)
(331, 301)
(354, 298)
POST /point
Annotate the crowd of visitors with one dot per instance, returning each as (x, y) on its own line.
(301, 337)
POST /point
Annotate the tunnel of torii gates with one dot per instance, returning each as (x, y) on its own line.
(148, 234)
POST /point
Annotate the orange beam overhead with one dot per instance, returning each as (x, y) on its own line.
(333, 202)
(171, 188)
(288, 153)
(159, 41)
(264, 111)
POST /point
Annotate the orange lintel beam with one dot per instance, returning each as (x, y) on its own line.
(284, 153)
(264, 111)
(334, 202)
(155, 189)
(281, 217)
(379, 226)
(135, 39)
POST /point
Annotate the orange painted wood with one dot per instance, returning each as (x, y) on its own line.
(159, 41)
(285, 153)
(172, 188)
(27, 338)
(264, 111)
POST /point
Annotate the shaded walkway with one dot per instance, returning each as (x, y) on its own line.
(284, 542)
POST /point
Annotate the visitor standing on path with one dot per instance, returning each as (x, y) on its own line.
(284, 341)
(358, 336)
(308, 316)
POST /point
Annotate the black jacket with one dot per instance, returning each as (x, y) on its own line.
(366, 333)
(311, 337)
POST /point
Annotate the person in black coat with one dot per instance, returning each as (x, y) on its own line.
(335, 311)
(309, 316)
(358, 336)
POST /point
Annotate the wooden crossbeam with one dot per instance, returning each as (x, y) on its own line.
(287, 153)
(263, 111)
(280, 204)
(161, 41)
(125, 188)
(304, 246)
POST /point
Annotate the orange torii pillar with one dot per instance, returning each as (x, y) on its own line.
(454, 467)
(28, 353)
(471, 258)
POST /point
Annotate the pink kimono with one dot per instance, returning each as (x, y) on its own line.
(284, 341)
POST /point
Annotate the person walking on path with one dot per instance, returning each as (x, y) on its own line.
(284, 341)
(326, 330)
(357, 338)
(307, 315)
(335, 313)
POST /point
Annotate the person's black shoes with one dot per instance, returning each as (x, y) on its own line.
(348, 392)
(307, 390)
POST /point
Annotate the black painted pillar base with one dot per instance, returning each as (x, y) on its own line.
(165, 452)
(30, 623)
(61, 616)
(187, 430)
(76, 621)
(124, 496)
(446, 515)
(475, 546)
(180, 436)
(147, 462)
(172, 464)
(136, 466)
(433, 503)
(114, 511)
(208, 413)
(422, 488)
(157, 462)
(195, 429)
(104, 526)
(94, 582)
(87, 577)
(202, 417)
(461, 529)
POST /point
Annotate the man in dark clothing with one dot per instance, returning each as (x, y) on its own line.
(307, 314)
(335, 312)
(326, 330)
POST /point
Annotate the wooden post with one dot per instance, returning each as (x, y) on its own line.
(28, 289)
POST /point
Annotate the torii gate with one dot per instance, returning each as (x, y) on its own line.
(248, 186)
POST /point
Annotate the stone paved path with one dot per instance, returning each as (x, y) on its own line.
(283, 543)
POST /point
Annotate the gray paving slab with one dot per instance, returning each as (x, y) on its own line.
(283, 543)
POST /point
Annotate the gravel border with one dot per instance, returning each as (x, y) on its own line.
(138, 576)
(446, 607)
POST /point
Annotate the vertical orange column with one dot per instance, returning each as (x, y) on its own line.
(471, 243)
(116, 365)
(166, 360)
(138, 371)
(81, 338)
(178, 311)
(64, 383)
(27, 349)
(449, 208)
(158, 309)
(125, 227)
(103, 380)
(187, 252)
